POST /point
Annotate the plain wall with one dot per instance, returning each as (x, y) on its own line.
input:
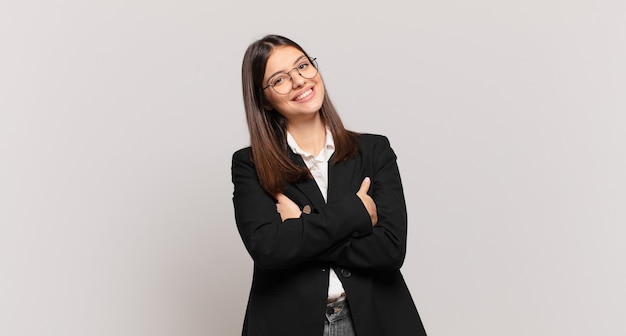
(118, 120)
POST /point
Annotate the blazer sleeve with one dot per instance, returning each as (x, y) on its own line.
(385, 247)
(274, 244)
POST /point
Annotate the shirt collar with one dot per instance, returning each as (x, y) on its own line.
(324, 154)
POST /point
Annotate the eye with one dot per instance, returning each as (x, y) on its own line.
(279, 79)
(303, 65)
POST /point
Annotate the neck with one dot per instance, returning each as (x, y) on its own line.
(310, 135)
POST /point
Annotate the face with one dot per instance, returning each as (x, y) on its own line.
(304, 96)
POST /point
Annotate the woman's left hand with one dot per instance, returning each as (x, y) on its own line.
(286, 207)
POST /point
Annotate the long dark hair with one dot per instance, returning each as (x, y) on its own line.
(267, 127)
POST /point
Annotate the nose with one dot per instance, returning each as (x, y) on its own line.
(296, 79)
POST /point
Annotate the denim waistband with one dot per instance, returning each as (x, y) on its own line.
(337, 310)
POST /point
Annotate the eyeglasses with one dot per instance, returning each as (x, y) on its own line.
(282, 82)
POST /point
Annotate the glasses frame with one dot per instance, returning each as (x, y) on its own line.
(313, 63)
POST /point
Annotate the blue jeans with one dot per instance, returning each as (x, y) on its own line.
(338, 320)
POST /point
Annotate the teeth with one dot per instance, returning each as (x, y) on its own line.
(304, 95)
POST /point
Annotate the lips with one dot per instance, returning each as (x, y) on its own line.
(304, 94)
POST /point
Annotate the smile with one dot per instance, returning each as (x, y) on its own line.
(304, 95)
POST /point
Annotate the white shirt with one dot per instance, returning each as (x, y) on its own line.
(318, 166)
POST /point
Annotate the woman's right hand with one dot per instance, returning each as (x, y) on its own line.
(286, 207)
(367, 200)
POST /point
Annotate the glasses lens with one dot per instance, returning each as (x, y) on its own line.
(282, 83)
(307, 69)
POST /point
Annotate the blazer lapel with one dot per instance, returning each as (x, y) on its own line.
(309, 187)
(343, 177)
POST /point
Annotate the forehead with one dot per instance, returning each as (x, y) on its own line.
(282, 58)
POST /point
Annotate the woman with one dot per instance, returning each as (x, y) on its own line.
(320, 209)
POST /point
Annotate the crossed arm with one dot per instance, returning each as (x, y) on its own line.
(356, 230)
(289, 209)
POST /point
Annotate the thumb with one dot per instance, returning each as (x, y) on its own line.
(365, 186)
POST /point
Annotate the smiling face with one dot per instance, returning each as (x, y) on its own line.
(304, 97)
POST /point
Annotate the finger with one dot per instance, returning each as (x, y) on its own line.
(280, 197)
(365, 185)
(283, 199)
(375, 220)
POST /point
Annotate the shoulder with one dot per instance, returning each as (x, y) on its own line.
(242, 154)
(369, 141)
(375, 147)
(369, 138)
(242, 165)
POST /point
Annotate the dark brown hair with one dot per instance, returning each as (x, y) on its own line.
(267, 127)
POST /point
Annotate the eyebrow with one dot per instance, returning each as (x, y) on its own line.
(294, 63)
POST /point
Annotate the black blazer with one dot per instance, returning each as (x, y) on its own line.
(292, 258)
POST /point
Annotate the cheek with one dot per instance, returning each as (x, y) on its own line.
(320, 87)
(320, 94)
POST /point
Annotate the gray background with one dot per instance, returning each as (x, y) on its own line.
(118, 121)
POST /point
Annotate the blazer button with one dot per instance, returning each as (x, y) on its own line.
(307, 209)
(346, 273)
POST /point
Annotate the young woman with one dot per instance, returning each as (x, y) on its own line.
(319, 208)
